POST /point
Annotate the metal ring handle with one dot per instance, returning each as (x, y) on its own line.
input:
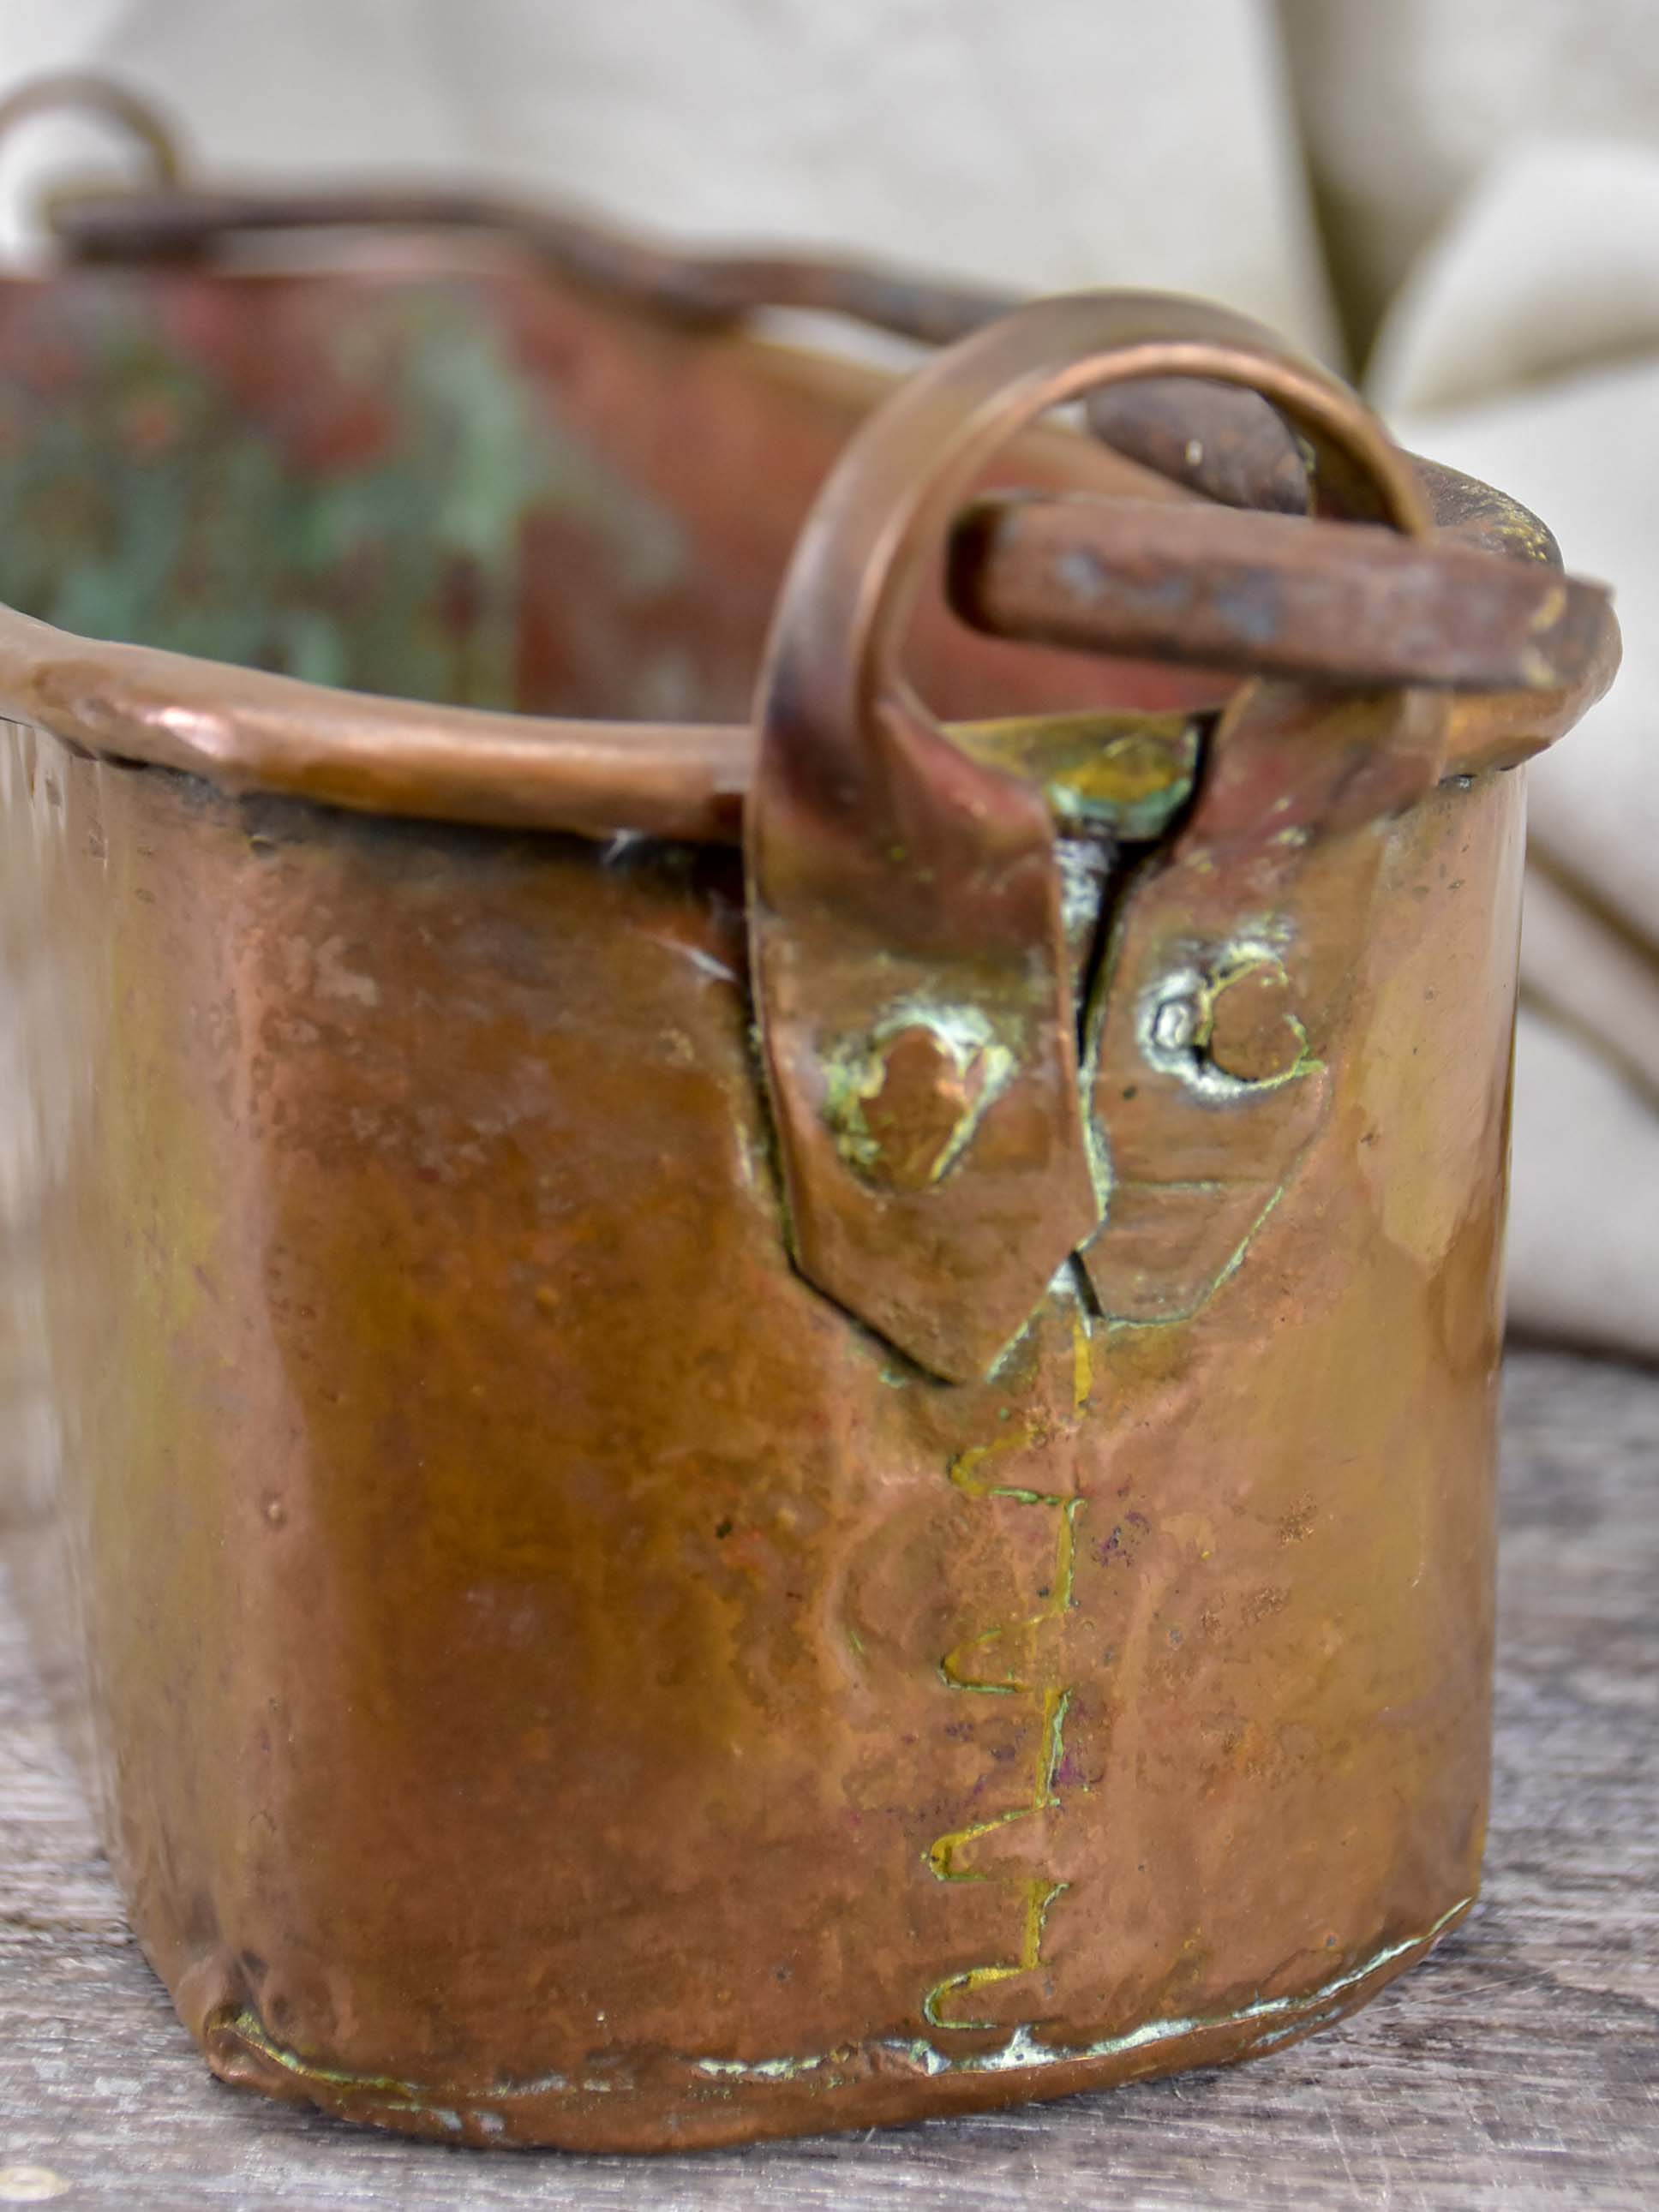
(909, 959)
(862, 560)
(100, 95)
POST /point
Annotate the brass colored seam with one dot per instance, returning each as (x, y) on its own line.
(1037, 1893)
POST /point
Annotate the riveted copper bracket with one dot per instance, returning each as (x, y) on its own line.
(1214, 1009)
(911, 978)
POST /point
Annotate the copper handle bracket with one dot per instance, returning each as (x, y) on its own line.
(911, 975)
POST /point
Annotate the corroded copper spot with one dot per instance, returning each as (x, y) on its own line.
(904, 1106)
(1255, 1033)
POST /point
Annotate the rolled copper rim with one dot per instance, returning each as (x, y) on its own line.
(245, 730)
(248, 730)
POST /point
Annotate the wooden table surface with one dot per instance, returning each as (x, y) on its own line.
(1519, 2067)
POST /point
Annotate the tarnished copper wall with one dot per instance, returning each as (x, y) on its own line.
(561, 1679)
(558, 1671)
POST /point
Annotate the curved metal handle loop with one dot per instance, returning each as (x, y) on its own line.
(912, 982)
(850, 592)
(100, 95)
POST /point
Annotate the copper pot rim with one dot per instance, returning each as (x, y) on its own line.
(248, 731)
(252, 731)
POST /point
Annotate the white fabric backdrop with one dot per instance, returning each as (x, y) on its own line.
(1488, 174)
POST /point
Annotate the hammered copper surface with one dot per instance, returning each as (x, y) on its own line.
(562, 1681)
(559, 1675)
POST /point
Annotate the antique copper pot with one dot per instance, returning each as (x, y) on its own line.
(761, 1423)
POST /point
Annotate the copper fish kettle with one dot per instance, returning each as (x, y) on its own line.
(771, 1328)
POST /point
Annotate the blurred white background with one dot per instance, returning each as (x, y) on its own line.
(1455, 201)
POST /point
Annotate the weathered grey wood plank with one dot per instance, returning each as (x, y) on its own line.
(1519, 2069)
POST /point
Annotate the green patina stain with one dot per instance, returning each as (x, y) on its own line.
(367, 531)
